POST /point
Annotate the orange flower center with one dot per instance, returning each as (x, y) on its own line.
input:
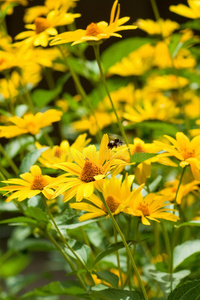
(93, 30)
(39, 182)
(187, 154)
(90, 170)
(58, 152)
(112, 203)
(144, 208)
(41, 24)
(138, 149)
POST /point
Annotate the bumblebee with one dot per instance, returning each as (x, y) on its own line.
(115, 143)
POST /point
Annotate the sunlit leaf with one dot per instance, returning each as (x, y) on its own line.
(30, 159)
(184, 251)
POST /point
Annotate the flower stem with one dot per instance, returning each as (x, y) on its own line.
(121, 128)
(118, 260)
(81, 92)
(179, 184)
(127, 249)
(64, 240)
(10, 161)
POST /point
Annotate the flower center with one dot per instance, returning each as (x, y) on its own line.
(112, 203)
(58, 152)
(2, 60)
(93, 30)
(41, 24)
(138, 149)
(90, 170)
(144, 208)
(39, 182)
(187, 154)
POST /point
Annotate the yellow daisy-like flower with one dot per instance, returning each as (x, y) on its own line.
(152, 207)
(44, 27)
(186, 151)
(167, 82)
(160, 27)
(30, 185)
(192, 12)
(96, 31)
(117, 195)
(89, 170)
(136, 63)
(62, 153)
(30, 123)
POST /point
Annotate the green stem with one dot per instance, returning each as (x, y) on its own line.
(64, 240)
(81, 91)
(118, 260)
(97, 55)
(66, 258)
(168, 248)
(10, 161)
(155, 9)
(127, 249)
(181, 178)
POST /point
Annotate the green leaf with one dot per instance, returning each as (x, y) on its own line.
(76, 224)
(167, 281)
(190, 223)
(37, 213)
(16, 283)
(153, 185)
(140, 157)
(82, 250)
(112, 248)
(175, 44)
(121, 49)
(19, 220)
(162, 127)
(194, 24)
(184, 251)
(14, 265)
(187, 291)
(56, 288)
(85, 68)
(30, 159)
(30, 244)
(116, 294)
(108, 277)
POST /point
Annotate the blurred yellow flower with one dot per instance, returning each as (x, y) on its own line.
(192, 11)
(167, 82)
(30, 185)
(160, 27)
(30, 123)
(136, 63)
(96, 31)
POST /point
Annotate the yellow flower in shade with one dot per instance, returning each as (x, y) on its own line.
(186, 151)
(136, 63)
(44, 27)
(161, 109)
(103, 119)
(160, 27)
(88, 171)
(167, 82)
(30, 123)
(96, 31)
(62, 153)
(30, 185)
(117, 195)
(192, 12)
(171, 188)
(152, 207)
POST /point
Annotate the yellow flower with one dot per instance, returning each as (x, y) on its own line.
(30, 185)
(44, 27)
(96, 31)
(167, 82)
(9, 5)
(62, 153)
(90, 168)
(136, 63)
(161, 27)
(30, 123)
(171, 188)
(192, 12)
(117, 195)
(151, 207)
(161, 109)
(186, 151)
